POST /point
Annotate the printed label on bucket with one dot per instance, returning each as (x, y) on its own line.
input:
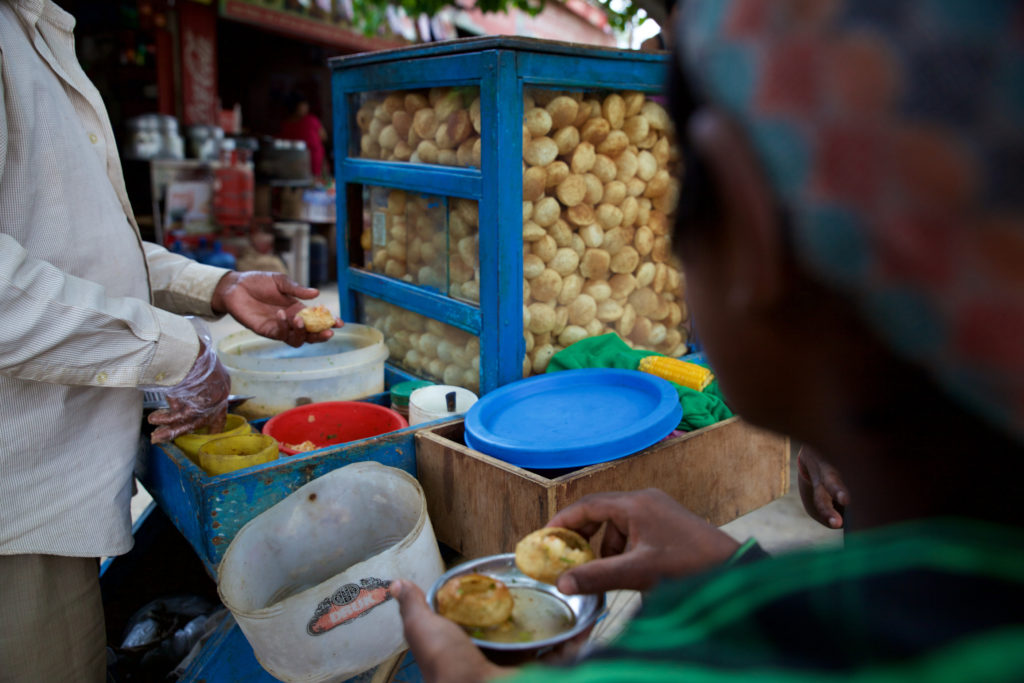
(349, 602)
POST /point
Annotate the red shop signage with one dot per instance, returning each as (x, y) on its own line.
(198, 63)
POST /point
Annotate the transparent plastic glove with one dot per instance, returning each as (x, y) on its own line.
(199, 400)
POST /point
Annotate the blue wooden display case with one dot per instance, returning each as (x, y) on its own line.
(500, 68)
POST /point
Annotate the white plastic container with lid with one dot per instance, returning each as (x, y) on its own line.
(347, 367)
(307, 580)
(431, 403)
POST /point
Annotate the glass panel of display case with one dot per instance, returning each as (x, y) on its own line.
(405, 236)
(425, 126)
(424, 346)
(422, 239)
(464, 250)
(598, 201)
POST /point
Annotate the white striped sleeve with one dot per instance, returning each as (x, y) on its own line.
(62, 329)
(180, 284)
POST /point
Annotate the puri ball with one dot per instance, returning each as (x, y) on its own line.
(317, 318)
(547, 553)
(475, 600)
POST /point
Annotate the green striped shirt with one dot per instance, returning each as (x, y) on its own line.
(931, 601)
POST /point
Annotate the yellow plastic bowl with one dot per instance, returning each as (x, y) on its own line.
(230, 453)
(234, 425)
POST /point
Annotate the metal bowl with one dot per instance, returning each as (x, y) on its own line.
(586, 609)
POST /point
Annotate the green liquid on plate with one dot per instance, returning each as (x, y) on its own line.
(536, 615)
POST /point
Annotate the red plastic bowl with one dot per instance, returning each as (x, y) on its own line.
(331, 423)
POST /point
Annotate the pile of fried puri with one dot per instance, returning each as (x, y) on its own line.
(481, 601)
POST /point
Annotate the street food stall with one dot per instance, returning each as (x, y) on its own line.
(502, 204)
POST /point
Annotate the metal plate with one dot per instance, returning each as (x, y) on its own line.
(585, 608)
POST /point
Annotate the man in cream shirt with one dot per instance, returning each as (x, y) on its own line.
(88, 313)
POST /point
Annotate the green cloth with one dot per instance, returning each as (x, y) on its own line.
(700, 408)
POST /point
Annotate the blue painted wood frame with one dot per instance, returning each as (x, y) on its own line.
(342, 132)
(501, 67)
(209, 511)
(443, 181)
(501, 225)
(464, 45)
(419, 299)
(407, 74)
(567, 72)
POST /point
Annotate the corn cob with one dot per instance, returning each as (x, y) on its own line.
(691, 375)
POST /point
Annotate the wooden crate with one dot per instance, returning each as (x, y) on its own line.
(480, 505)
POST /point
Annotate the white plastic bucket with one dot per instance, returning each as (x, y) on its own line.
(430, 403)
(307, 580)
(347, 367)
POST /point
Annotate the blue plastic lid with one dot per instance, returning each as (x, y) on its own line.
(573, 418)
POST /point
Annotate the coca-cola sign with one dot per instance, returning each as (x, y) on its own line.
(198, 64)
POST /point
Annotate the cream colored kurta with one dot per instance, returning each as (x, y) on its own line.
(78, 334)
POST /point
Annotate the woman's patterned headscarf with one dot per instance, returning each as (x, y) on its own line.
(893, 131)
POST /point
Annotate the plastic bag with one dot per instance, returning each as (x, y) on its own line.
(200, 399)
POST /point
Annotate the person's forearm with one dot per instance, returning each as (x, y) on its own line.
(61, 329)
(179, 284)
